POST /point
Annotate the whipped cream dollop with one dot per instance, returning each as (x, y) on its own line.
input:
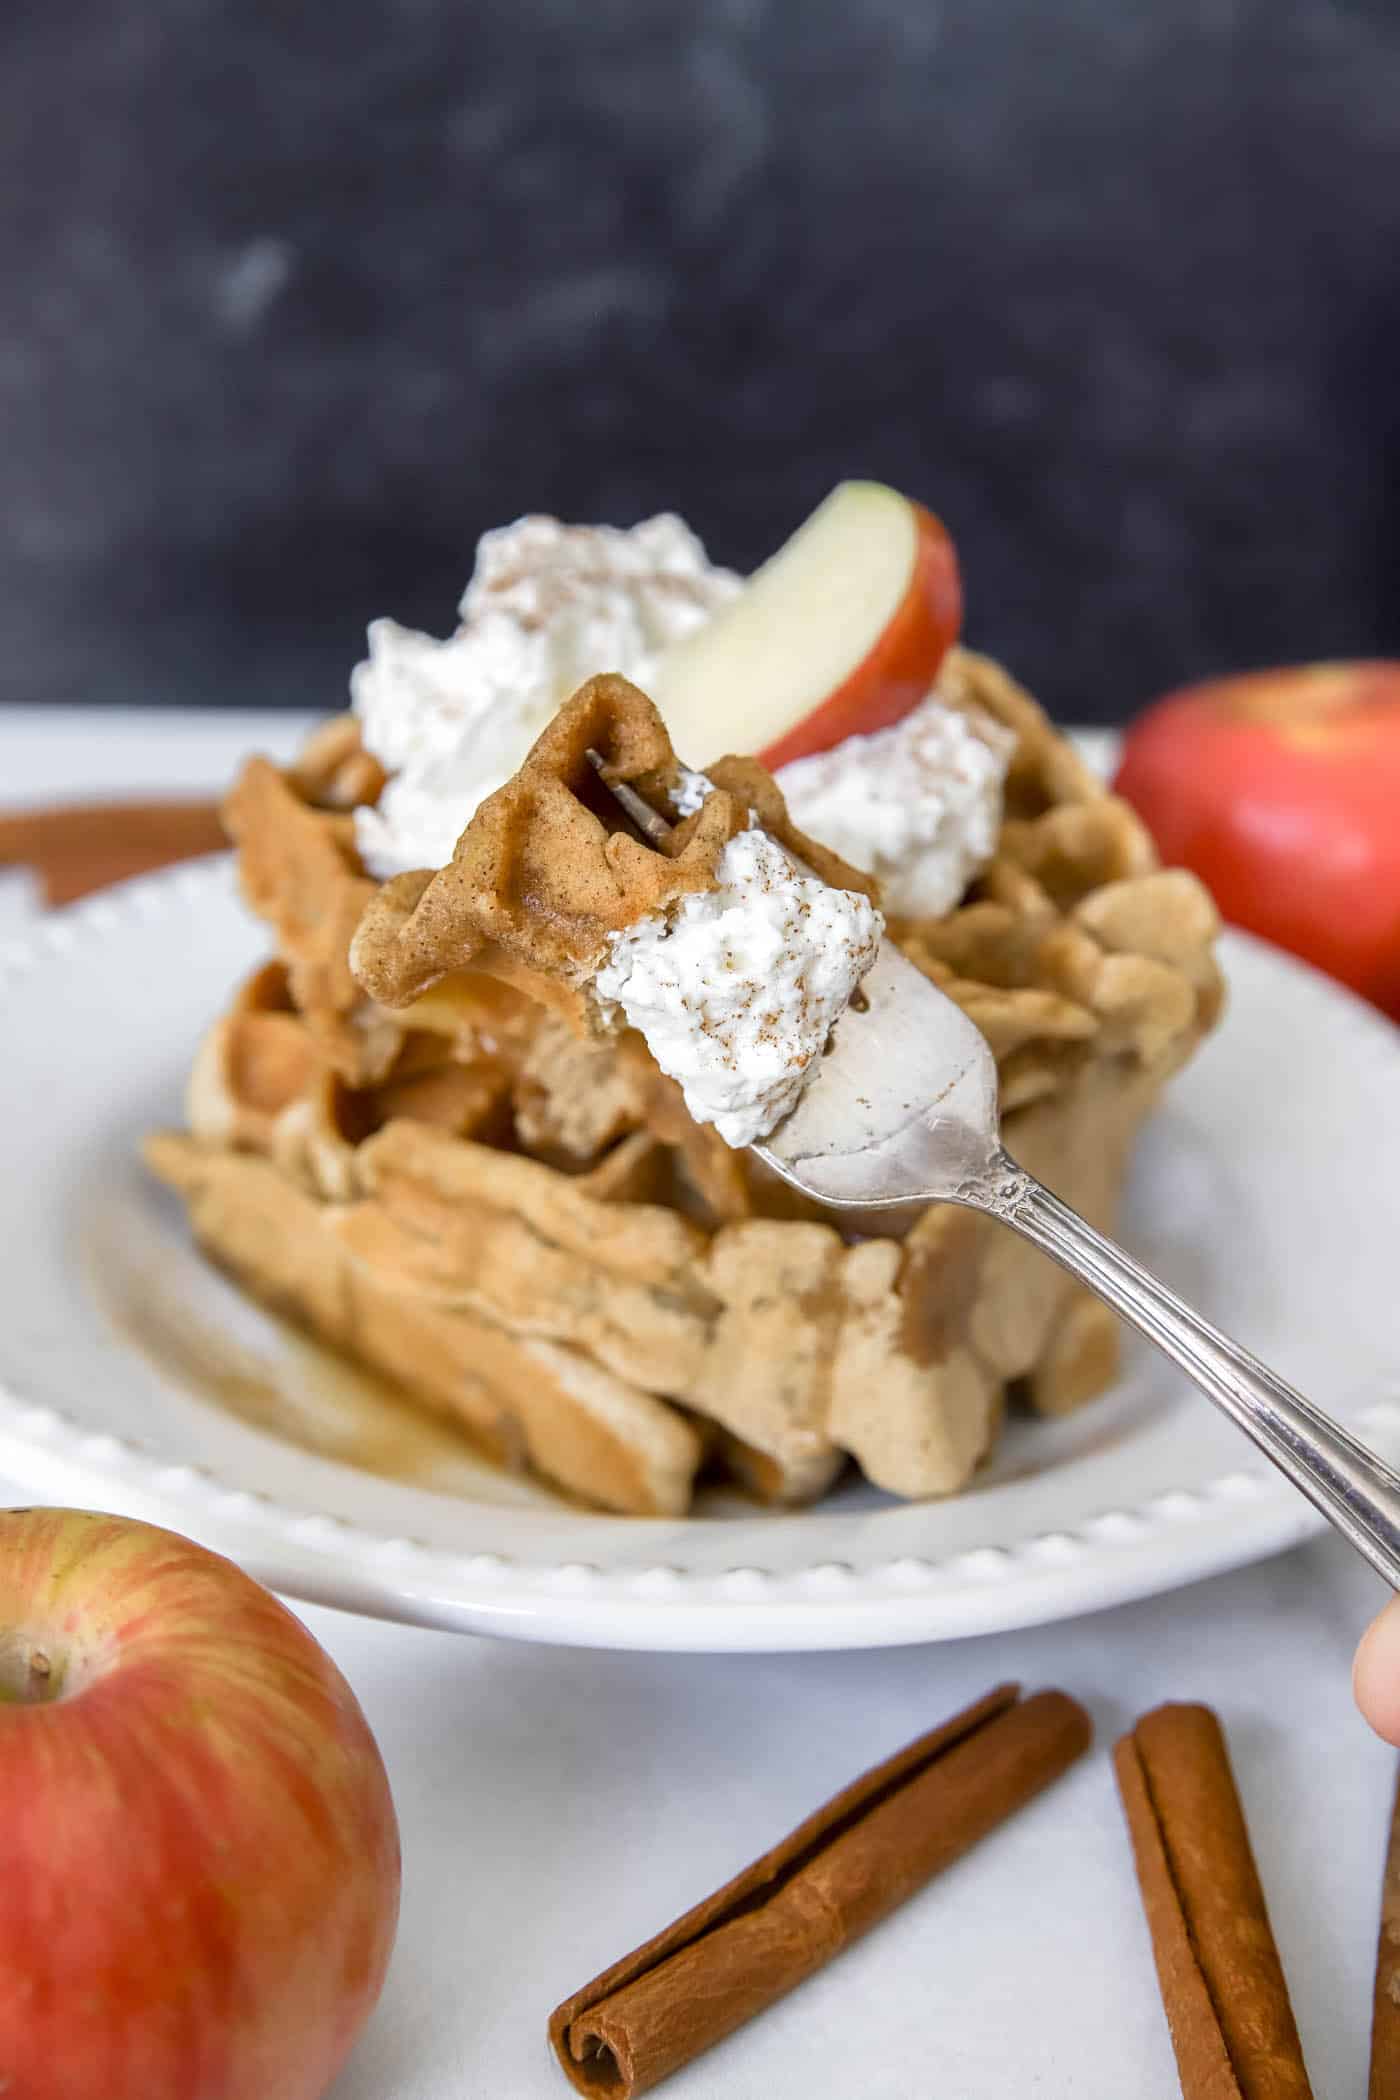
(548, 605)
(736, 989)
(917, 805)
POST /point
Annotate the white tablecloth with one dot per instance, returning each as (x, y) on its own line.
(559, 1806)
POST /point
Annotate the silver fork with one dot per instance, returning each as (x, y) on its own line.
(904, 1112)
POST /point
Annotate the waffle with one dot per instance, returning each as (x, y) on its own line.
(523, 1228)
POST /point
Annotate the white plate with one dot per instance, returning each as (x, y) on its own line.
(134, 1378)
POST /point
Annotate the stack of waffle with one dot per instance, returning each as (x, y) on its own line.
(525, 1230)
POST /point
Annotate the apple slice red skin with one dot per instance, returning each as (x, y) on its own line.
(1281, 790)
(199, 1858)
(895, 676)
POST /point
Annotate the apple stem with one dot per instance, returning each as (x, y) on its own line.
(30, 1677)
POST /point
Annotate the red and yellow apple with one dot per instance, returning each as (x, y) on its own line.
(199, 1860)
(840, 633)
(1281, 790)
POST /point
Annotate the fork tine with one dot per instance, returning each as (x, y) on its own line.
(654, 829)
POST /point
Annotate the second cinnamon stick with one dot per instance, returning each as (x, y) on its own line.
(1222, 1983)
(836, 1875)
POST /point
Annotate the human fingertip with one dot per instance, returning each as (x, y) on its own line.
(1375, 1674)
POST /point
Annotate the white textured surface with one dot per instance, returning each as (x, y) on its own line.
(736, 989)
(559, 1805)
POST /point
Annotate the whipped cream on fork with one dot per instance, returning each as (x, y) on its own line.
(737, 988)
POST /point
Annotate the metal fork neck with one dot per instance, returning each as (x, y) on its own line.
(1354, 1488)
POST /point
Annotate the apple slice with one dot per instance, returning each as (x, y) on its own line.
(841, 632)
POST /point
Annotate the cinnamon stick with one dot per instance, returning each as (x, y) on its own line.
(837, 1874)
(1222, 1983)
(83, 846)
(1385, 2017)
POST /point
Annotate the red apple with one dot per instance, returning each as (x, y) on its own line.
(1281, 790)
(840, 632)
(199, 1861)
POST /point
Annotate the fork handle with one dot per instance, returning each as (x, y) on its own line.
(1352, 1487)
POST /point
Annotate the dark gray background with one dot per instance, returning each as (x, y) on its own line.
(296, 298)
